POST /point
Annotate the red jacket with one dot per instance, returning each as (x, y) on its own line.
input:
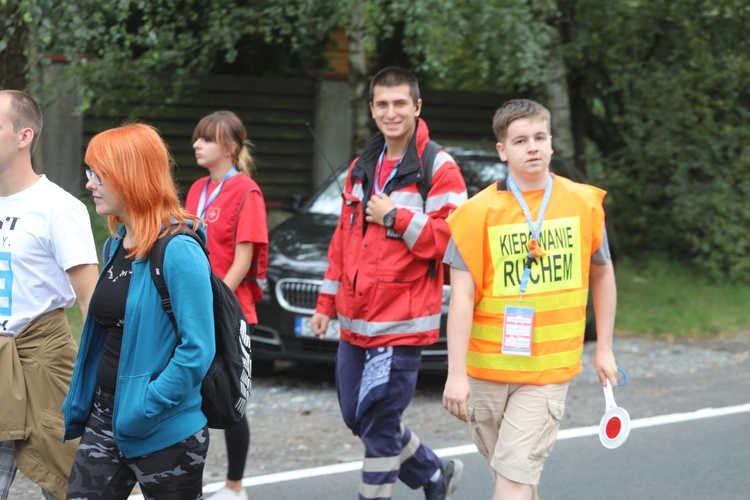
(382, 287)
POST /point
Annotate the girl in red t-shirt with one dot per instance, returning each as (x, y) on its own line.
(231, 204)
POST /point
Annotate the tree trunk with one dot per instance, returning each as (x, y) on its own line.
(558, 100)
(358, 39)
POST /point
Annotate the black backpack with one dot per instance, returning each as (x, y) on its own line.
(226, 386)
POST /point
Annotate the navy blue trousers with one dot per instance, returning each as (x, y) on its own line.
(392, 451)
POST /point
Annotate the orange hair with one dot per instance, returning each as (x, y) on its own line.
(135, 163)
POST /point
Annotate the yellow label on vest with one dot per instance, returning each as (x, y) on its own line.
(559, 269)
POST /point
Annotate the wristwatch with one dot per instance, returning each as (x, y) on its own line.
(390, 218)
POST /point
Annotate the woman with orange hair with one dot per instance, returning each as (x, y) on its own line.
(231, 204)
(135, 395)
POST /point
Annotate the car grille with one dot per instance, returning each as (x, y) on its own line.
(297, 295)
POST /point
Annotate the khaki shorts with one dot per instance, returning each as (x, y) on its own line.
(515, 426)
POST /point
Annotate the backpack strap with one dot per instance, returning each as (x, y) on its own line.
(107, 250)
(425, 183)
(428, 163)
(156, 260)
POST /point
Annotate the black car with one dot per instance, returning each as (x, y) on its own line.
(298, 260)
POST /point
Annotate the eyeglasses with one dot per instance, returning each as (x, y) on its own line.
(91, 175)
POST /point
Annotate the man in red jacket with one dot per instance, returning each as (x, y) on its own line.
(385, 283)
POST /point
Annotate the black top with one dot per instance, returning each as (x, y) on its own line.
(108, 308)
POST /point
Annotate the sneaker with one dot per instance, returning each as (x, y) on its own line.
(227, 494)
(443, 488)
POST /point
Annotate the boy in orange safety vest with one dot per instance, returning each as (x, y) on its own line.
(523, 254)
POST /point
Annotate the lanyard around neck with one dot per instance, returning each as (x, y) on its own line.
(534, 250)
(202, 203)
(379, 189)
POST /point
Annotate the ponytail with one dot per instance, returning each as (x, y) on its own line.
(245, 163)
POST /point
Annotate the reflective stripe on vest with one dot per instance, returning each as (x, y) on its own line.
(557, 317)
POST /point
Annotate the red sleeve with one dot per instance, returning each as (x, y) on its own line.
(332, 280)
(427, 234)
(252, 223)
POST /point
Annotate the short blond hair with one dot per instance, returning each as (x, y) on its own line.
(514, 110)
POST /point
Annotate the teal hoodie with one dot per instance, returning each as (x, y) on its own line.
(157, 400)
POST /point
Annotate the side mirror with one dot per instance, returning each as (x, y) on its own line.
(293, 203)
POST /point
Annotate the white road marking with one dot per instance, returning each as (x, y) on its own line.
(592, 430)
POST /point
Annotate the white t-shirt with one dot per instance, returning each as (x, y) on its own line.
(44, 231)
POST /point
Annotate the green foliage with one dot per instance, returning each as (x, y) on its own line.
(479, 45)
(659, 88)
(15, 19)
(117, 49)
(135, 54)
(668, 83)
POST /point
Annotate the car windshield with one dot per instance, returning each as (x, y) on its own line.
(328, 200)
(479, 169)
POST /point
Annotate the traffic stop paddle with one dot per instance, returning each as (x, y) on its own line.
(614, 427)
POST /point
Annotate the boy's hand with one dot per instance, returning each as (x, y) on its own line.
(457, 395)
(606, 366)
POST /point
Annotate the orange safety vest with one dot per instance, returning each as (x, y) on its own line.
(490, 232)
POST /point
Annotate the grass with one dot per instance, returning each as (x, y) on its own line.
(660, 297)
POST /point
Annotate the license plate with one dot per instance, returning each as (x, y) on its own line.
(302, 328)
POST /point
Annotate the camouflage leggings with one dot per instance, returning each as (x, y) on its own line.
(99, 471)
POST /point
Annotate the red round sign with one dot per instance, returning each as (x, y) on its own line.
(614, 427)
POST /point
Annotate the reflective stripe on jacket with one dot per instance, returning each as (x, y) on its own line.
(380, 285)
(558, 285)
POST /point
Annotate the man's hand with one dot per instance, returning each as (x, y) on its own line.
(319, 323)
(457, 395)
(377, 206)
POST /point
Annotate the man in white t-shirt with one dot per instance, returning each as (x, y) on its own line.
(47, 260)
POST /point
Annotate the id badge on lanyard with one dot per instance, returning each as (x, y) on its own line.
(518, 328)
(518, 321)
